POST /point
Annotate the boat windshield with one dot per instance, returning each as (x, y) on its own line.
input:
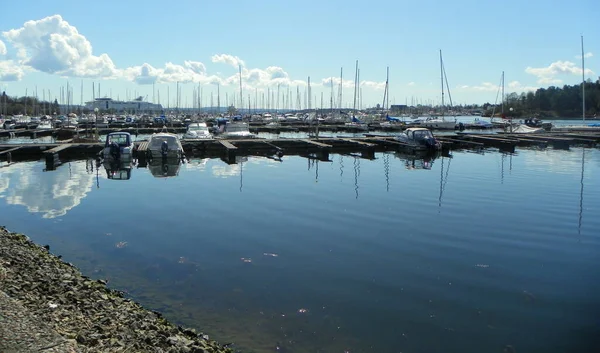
(198, 127)
(422, 134)
(238, 127)
(120, 139)
(158, 140)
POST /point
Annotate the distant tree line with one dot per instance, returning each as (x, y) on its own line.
(27, 106)
(552, 102)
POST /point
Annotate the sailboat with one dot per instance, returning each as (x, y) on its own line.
(440, 122)
(583, 126)
(355, 123)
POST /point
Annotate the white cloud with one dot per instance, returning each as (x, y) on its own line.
(228, 59)
(272, 76)
(53, 46)
(195, 66)
(410, 84)
(10, 71)
(2, 48)
(518, 87)
(373, 84)
(191, 71)
(586, 55)
(485, 87)
(547, 75)
(336, 82)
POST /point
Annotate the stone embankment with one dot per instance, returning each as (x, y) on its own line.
(47, 305)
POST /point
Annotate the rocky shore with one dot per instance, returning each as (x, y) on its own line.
(48, 305)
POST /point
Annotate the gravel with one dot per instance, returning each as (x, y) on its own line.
(48, 305)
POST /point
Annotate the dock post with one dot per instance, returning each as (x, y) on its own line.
(368, 153)
(52, 161)
(323, 154)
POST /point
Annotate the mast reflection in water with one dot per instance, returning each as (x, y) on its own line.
(319, 259)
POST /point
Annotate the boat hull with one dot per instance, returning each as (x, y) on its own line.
(439, 125)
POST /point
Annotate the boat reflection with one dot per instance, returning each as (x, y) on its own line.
(418, 160)
(164, 168)
(117, 170)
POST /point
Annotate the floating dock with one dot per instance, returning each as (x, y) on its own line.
(318, 148)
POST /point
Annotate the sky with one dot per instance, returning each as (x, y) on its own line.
(126, 49)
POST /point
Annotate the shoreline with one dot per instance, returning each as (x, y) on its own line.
(49, 304)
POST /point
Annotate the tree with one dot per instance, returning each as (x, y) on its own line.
(55, 107)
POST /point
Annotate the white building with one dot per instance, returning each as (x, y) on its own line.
(120, 106)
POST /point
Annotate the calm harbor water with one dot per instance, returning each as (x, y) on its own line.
(480, 252)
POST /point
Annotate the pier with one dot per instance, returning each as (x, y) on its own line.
(318, 148)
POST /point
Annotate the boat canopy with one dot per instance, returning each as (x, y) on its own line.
(120, 138)
(197, 127)
(237, 127)
(157, 140)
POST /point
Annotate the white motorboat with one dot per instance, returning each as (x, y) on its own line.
(165, 145)
(523, 129)
(438, 123)
(118, 147)
(236, 130)
(419, 139)
(197, 131)
(44, 125)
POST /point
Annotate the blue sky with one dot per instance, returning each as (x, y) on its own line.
(126, 45)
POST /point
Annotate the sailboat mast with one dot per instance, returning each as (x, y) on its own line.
(331, 99)
(502, 95)
(387, 89)
(583, 79)
(355, 83)
(442, 78)
(241, 93)
(341, 87)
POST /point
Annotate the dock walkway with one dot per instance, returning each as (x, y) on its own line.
(366, 145)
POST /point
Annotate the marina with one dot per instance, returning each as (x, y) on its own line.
(340, 188)
(320, 148)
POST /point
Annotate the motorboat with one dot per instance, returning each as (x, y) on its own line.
(197, 131)
(237, 129)
(419, 139)
(118, 147)
(523, 129)
(44, 125)
(165, 145)
(538, 123)
(437, 123)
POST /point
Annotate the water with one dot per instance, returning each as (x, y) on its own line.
(481, 252)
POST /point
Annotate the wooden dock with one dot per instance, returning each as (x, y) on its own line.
(319, 148)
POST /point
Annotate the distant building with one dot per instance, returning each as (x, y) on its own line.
(398, 107)
(120, 106)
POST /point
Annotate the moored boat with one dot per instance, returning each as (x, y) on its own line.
(419, 139)
(236, 129)
(197, 131)
(165, 145)
(118, 146)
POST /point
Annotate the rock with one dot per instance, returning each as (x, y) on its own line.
(96, 318)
